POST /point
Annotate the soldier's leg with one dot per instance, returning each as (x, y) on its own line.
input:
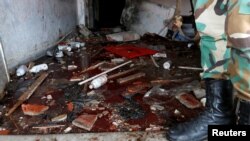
(238, 29)
(210, 20)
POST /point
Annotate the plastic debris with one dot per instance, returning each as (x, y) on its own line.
(98, 82)
(21, 70)
(39, 68)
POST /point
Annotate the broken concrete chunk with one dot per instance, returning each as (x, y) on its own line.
(59, 118)
(188, 100)
(85, 121)
(34, 109)
(199, 93)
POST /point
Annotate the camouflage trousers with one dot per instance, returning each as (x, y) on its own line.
(238, 31)
(217, 60)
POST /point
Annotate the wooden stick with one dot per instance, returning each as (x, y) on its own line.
(121, 73)
(105, 72)
(48, 126)
(165, 82)
(92, 67)
(26, 95)
(154, 62)
(130, 78)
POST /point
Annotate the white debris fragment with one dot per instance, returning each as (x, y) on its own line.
(38, 68)
(199, 93)
(59, 54)
(68, 129)
(203, 101)
(21, 70)
(49, 97)
(177, 112)
(160, 55)
(59, 118)
(117, 60)
(72, 67)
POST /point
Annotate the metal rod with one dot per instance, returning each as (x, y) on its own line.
(105, 72)
(189, 68)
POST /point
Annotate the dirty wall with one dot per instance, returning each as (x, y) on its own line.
(29, 27)
(151, 16)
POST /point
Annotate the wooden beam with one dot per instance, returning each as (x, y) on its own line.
(26, 95)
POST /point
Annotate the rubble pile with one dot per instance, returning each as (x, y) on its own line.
(62, 91)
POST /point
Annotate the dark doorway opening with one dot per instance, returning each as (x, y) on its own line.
(107, 13)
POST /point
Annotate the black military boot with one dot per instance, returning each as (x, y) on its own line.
(244, 113)
(218, 111)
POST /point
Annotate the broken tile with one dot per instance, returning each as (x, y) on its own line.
(188, 100)
(34, 109)
(70, 106)
(4, 132)
(85, 121)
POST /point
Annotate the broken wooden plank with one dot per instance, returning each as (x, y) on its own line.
(121, 73)
(166, 81)
(105, 72)
(26, 95)
(92, 67)
(130, 78)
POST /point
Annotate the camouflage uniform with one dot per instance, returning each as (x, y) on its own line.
(238, 31)
(214, 20)
(210, 16)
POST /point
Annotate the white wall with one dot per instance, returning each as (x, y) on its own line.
(29, 27)
(4, 76)
(81, 8)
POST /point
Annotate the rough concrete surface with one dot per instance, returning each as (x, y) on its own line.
(117, 136)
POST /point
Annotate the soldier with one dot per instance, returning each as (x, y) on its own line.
(224, 28)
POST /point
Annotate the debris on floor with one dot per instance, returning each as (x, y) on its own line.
(95, 82)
